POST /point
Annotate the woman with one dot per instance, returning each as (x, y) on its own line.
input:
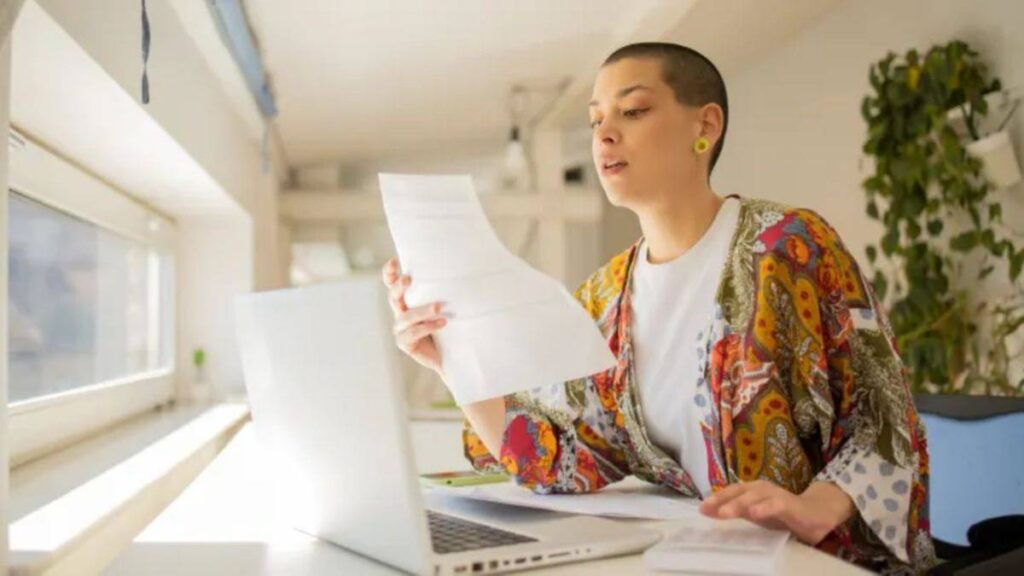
(756, 369)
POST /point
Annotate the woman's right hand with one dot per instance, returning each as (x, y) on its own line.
(414, 327)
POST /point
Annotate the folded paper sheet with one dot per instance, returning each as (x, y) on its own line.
(510, 328)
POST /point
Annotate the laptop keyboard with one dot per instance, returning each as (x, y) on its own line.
(450, 534)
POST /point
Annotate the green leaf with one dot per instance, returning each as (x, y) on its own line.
(890, 241)
(995, 212)
(901, 169)
(913, 229)
(964, 242)
(1016, 263)
(935, 227)
(988, 238)
(886, 62)
(880, 284)
(872, 183)
(872, 253)
(865, 109)
(874, 78)
(872, 210)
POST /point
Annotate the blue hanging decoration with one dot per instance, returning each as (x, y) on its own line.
(145, 54)
(229, 15)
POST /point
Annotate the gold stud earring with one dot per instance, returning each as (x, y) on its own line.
(701, 145)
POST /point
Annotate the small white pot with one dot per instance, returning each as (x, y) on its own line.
(998, 159)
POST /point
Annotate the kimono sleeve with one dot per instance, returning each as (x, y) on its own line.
(874, 446)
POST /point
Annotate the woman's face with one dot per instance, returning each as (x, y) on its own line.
(642, 136)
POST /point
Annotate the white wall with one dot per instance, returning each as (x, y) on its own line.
(485, 163)
(213, 266)
(796, 131)
(266, 255)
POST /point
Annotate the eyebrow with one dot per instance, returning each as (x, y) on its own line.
(622, 93)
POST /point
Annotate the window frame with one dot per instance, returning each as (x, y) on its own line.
(40, 425)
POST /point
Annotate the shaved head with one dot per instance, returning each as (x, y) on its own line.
(692, 77)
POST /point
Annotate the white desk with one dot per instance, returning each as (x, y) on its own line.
(226, 523)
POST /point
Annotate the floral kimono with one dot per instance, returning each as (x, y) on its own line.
(799, 381)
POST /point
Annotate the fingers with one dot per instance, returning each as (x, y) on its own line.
(389, 272)
(408, 338)
(761, 502)
(740, 506)
(767, 509)
(711, 505)
(425, 313)
(735, 500)
(411, 325)
(396, 294)
(397, 285)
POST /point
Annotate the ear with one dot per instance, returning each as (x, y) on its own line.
(712, 120)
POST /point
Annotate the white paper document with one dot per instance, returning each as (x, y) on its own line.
(734, 547)
(617, 501)
(510, 328)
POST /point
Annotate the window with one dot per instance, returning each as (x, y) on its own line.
(91, 322)
(85, 305)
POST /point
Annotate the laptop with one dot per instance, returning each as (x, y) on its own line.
(328, 404)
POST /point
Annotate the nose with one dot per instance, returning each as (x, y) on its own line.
(606, 133)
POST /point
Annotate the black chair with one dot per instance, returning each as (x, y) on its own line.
(976, 447)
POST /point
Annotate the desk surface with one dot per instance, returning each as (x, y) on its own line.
(227, 523)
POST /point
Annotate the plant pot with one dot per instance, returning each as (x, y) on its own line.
(998, 159)
(1000, 103)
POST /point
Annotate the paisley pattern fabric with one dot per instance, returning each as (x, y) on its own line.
(799, 381)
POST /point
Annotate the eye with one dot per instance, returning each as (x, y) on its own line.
(630, 113)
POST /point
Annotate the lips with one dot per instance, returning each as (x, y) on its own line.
(611, 166)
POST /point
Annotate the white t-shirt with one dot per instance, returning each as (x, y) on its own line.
(673, 303)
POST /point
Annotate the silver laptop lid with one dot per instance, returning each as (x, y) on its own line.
(321, 371)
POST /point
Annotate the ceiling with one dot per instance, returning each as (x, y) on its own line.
(358, 79)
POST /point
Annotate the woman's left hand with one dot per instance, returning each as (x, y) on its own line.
(809, 516)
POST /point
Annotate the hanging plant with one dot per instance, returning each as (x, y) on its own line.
(940, 220)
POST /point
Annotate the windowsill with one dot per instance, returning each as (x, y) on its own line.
(43, 480)
(81, 505)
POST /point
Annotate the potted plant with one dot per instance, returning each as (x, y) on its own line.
(200, 387)
(997, 156)
(988, 141)
(943, 231)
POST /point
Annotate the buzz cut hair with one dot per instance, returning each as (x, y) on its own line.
(693, 78)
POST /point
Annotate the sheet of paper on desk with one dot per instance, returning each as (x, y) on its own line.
(510, 328)
(734, 547)
(629, 501)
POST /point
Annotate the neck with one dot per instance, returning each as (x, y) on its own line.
(677, 221)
